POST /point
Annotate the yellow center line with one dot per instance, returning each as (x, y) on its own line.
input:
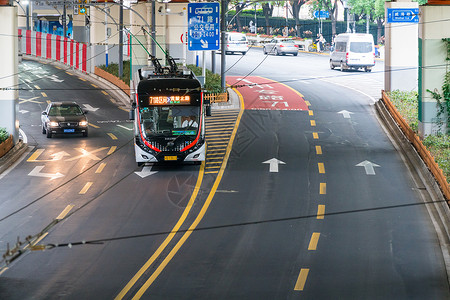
(69, 73)
(105, 93)
(161, 248)
(94, 85)
(313, 123)
(315, 135)
(301, 280)
(82, 79)
(112, 136)
(308, 103)
(311, 113)
(37, 87)
(111, 150)
(201, 214)
(43, 94)
(321, 168)
(100, 168)
(212, 172)
(314, 240)
(64, 213)
(320, 212)
(35, 155)
(323, 188)
(95, 126)
(318, 150)
(85, 188)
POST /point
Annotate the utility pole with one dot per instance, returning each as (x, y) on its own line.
(223, 29)
(121, 39)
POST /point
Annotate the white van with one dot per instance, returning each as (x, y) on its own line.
(236, 42)
(353, 51)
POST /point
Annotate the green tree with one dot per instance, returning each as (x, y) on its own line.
(295, 10)
(332, 7)
(372, 8)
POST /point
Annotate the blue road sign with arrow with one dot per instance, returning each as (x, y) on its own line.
(321, 14)
(203, 26)
(403, 15)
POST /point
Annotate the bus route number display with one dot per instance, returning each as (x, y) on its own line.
(168, 100)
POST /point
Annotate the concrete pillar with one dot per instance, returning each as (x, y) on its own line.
(140, 40)
(9, 78)
(177, 23)
(434, 26)
(401, 52)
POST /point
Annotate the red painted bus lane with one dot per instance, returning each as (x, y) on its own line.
(260, 93)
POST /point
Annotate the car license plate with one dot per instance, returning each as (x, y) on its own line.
(170, 158)
(69, 130)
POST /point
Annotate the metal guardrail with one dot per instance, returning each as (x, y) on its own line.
(420, 148)
(216, 97)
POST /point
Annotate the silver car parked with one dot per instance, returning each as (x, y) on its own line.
(281, 46)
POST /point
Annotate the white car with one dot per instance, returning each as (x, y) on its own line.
(353, 51)
(236, 42)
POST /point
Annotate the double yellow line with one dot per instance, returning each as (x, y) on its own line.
(183, 217)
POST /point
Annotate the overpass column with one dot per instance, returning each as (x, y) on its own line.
(9, 78)
(434, 26)
(140, 41)
(400, 62)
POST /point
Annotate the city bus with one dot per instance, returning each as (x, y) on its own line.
(168, 115)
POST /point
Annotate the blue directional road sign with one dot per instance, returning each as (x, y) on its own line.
(403, 15)
(203, 26)
(321, 14)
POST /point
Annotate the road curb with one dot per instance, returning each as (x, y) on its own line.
(430, 191)
(12, 156)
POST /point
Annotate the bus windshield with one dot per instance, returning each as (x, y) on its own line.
(170, 120)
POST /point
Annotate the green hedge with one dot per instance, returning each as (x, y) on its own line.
(439, 145)
(4, 135)
(213, 81)
(113, 69)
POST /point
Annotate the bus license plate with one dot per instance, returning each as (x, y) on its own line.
(170, 158)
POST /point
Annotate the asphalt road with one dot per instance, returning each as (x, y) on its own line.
(325, 225)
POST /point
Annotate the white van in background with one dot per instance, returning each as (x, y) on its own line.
(236, 42)
(353, 51)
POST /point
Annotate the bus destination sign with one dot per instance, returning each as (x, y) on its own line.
(169, 100)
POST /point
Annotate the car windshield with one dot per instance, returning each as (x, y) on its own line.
(237, 38)
(170, 120)
(287, 42)
(65, 110)
(361, 47)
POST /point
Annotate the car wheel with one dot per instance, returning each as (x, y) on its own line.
(264, 50)
(295, 54)
(49, 134)
(367, 69)
(276, 52)
(85, 134)
(243, 53)
(331, 65)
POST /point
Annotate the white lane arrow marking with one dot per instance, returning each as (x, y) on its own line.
(60, 155)
(37, 172)
(89, 107)
(368, 166)
(273, 164)
(146, 171)
(22, 111)
(345, 113)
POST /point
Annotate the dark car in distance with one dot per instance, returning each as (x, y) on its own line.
(64, 117)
